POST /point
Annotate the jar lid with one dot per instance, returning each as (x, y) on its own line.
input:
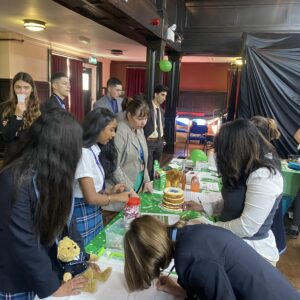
(134, 201)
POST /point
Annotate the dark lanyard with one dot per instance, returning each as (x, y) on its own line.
(60, 102)
(141, 152)
(99, 166)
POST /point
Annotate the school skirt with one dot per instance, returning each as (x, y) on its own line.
(88, 218)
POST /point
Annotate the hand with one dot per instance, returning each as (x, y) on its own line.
(118, 188)
(4, 122)
(168, 285)
(94, 267)
(192, 205)
(20, 108)
(123, 197)
(148, 187)
(71, 287)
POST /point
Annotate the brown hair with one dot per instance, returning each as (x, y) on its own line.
(240, 150)
(267, 127)
(138, 108)
(33, 111)
(148, 250)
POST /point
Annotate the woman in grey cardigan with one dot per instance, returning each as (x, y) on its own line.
(132, 149)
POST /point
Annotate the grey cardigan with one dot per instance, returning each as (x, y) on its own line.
(128, 144)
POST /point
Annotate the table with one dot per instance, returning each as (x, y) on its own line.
(115, 287)
(291, 181)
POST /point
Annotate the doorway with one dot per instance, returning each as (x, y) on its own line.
(87, 89)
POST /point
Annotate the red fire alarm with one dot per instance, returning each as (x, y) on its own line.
(155, 22)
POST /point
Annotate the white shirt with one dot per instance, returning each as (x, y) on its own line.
(87, 167)
(263, 188)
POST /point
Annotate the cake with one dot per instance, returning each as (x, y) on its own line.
(173, 198)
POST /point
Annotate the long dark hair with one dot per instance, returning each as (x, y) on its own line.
(51, 153)
(33, 111)
(94, 122)
(240, 150)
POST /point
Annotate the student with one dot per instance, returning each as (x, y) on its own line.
(132, 149)
(252, 185)
(268, 128)
(154, 129)
(98, 161)
(112, 99)
(211, 263)
(19, 112)
(60, 85)
(36, 208)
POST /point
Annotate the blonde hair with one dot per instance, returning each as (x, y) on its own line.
(267, 127)
(148, 250)
(32, 111)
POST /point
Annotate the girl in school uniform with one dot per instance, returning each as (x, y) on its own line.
(36, 206)
(98, 161)
(211, 263)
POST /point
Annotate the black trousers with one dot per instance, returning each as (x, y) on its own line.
(155, 150)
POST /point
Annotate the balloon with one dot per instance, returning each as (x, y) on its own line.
(165, 65)
(198, 155)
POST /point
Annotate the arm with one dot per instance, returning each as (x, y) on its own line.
(297, 136)
(92, 197)
(208, 280)
(262, 191)
(33, 259)
(10, 128)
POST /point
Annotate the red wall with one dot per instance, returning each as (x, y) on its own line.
(118, 69)
(203, 77)
(193, 76)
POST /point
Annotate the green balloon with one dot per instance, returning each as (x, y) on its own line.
(198, 155)
(165, 65)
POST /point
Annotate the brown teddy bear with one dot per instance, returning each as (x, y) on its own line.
(75, 262)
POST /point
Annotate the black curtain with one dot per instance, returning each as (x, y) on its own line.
(270, 83)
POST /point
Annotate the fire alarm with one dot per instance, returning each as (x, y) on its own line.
(155, 22)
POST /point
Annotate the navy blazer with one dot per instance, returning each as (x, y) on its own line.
(149, 127)
(214, 264)
(50, 104)
(25, 264)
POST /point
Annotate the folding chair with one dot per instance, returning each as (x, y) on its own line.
(196, 133)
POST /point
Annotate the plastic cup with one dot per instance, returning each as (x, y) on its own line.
(21, 98)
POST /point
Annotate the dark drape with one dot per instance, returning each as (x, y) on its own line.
(270, 83)
(234, 80)
(135, 81)
(59, 65)
(76, 105)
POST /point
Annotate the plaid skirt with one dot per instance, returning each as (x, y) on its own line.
(17, 296)
(88, 218)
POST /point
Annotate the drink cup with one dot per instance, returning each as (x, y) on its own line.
(21, 98)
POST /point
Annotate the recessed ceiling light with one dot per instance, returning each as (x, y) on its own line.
(116, 52)
(34, 25)
(84, 40)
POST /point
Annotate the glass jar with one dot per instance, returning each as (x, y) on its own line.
(131, 210)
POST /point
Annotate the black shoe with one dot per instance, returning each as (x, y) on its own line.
(292, 233)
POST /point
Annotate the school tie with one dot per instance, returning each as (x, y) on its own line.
(114, 105)
(158, 122)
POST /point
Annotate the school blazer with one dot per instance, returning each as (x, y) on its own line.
(129, 154)
(105, 103)
(149, 128)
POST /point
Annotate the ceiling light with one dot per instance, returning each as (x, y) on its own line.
(116, 52)
(34, 25)
(84, 40)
